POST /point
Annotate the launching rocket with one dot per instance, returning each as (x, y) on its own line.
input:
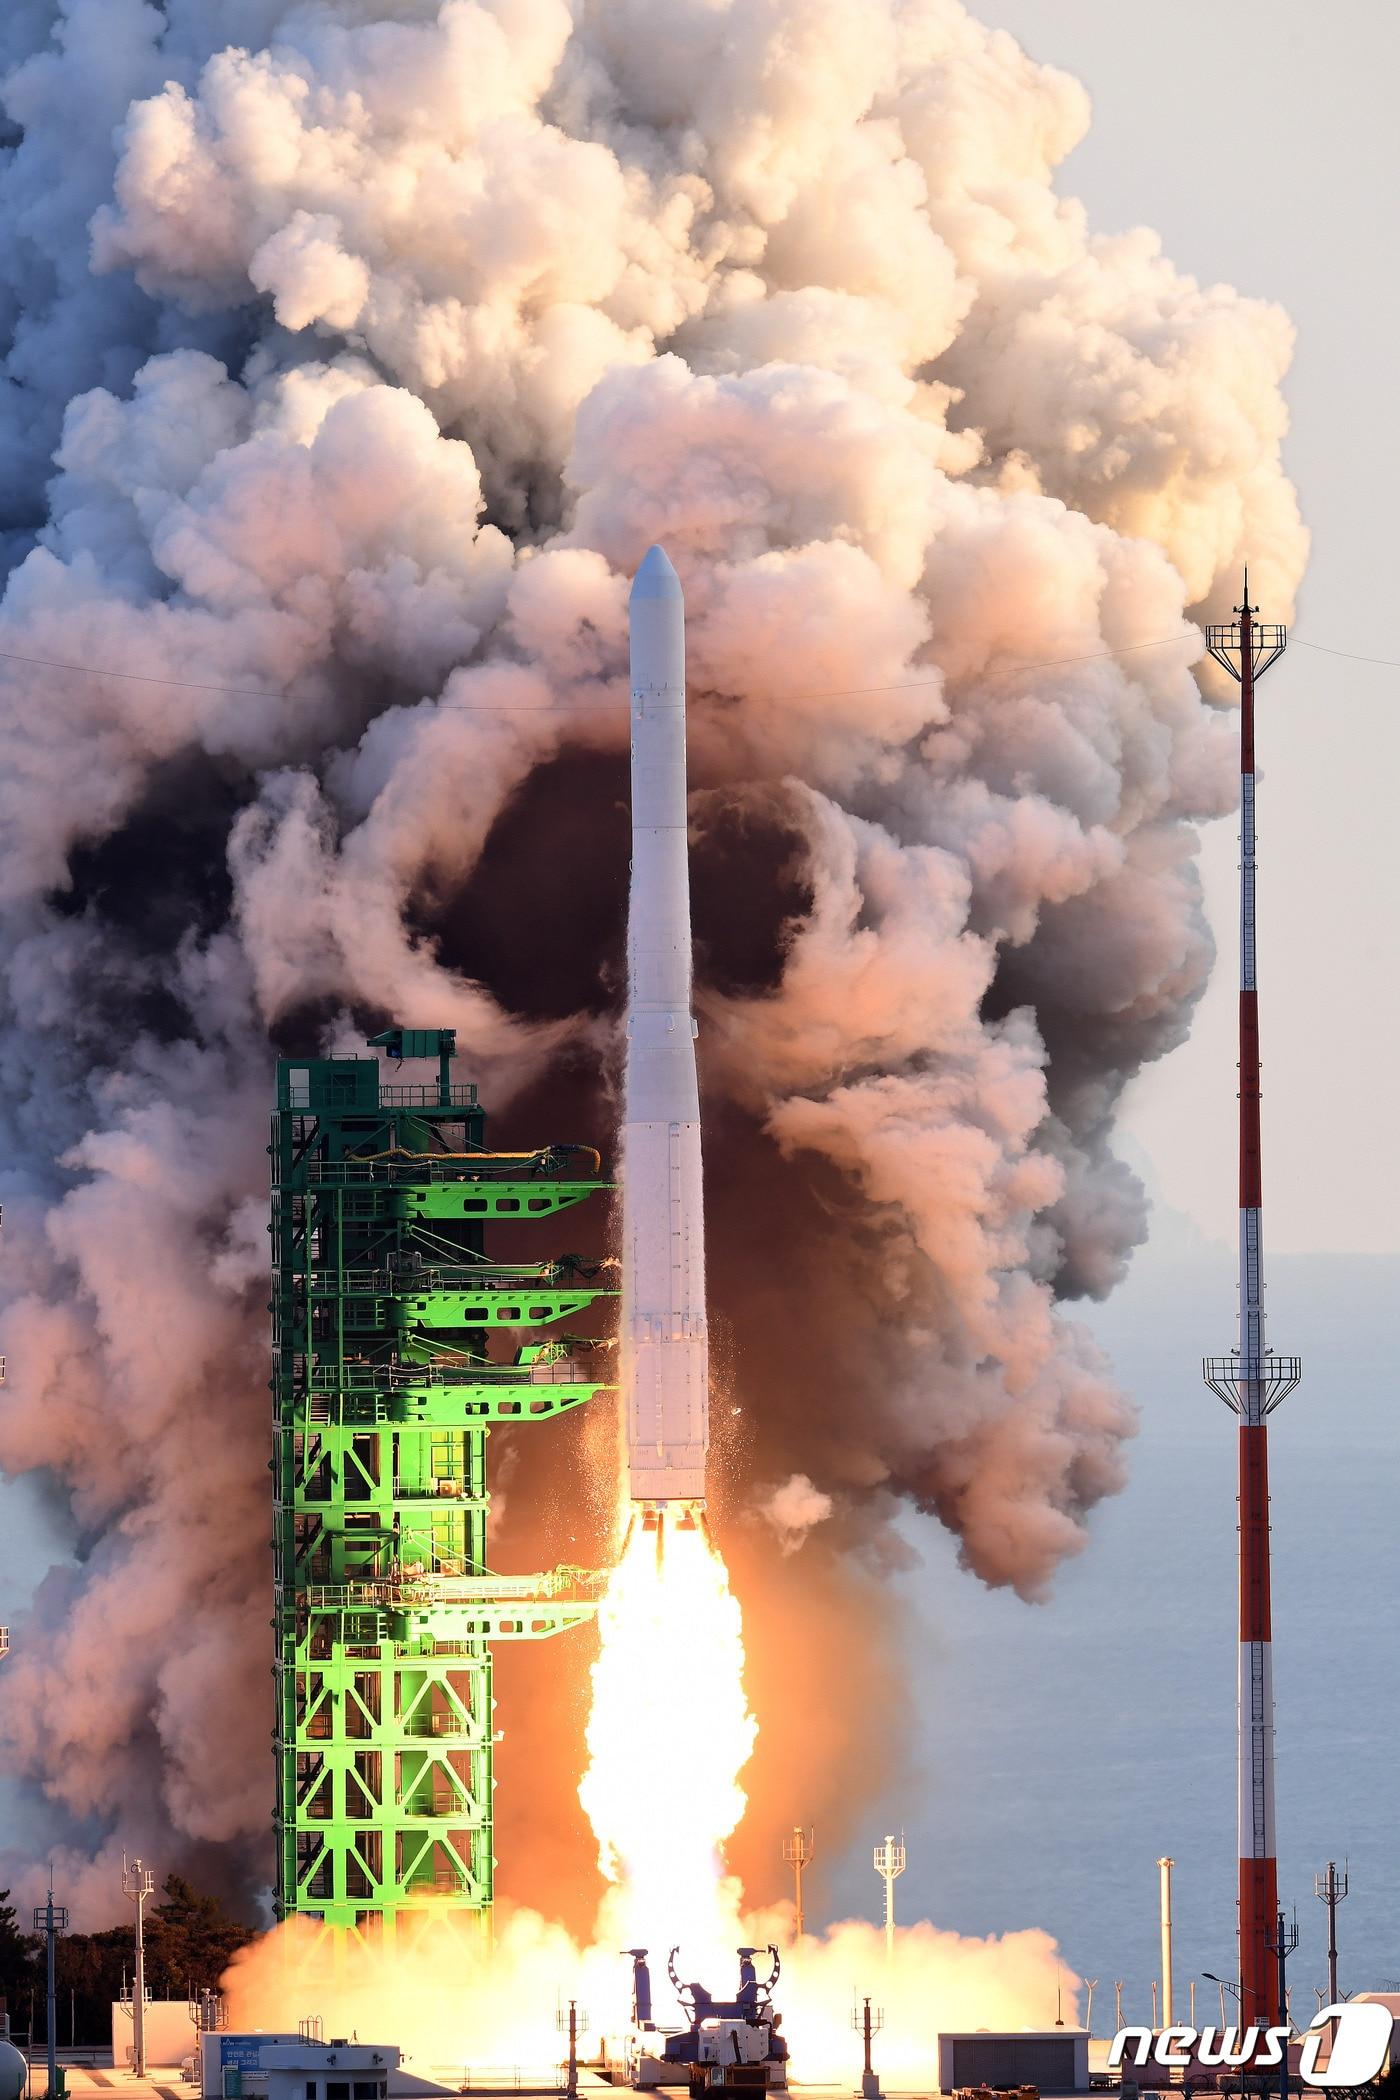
(666, 1350)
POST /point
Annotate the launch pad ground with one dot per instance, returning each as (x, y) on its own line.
(87, 2082)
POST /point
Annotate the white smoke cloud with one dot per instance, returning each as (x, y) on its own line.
(792, 1508)
(352, 357)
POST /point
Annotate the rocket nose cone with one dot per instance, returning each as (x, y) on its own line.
(656, 578)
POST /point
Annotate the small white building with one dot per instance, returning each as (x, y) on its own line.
(268, 2066)
(328, 2071)
(289, 2067)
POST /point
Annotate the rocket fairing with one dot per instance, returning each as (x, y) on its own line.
(665, 1340)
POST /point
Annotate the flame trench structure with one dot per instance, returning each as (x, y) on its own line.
(662, 1808)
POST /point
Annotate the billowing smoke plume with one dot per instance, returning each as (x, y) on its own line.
(354, 354)
(501, 2012)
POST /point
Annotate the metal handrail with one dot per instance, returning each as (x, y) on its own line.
(449, 1494)
(441, 1728)
(484, 1281)
(427, 1094)
(1224, 639)
(1277, 1375)
(547, 1164)
(372, 1378)
(553, 1586)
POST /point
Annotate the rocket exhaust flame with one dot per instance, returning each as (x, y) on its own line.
(669, 1733)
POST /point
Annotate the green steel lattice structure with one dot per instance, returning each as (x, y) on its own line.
(398, 1340)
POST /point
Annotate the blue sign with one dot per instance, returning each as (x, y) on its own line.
(243, 2049)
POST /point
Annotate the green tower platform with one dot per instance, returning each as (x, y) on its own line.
(397, 1341)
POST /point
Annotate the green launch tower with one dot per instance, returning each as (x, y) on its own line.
(399, 1338)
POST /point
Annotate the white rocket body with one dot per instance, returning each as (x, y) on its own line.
(666, 1351)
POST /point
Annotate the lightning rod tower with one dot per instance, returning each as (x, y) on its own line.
(139, 1883)
(1252, 1382)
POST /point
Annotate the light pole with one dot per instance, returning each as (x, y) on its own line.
(1091, 1984)
(1280, 1943)
(889, 1865)
(1118, 2004)
(1330, 1888)
(51, 1920)
(570, 2021)
(867, 2024)
(138, 1882)
(799, 1851)
(1236, 1991)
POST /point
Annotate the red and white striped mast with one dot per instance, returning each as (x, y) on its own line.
(1252, 1383)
